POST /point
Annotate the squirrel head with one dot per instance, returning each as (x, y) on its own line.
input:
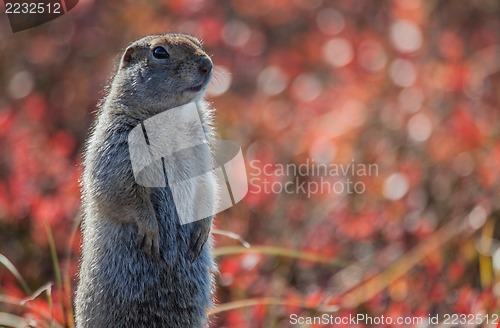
(160, 72)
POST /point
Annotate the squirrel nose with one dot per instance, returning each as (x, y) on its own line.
(205, 65)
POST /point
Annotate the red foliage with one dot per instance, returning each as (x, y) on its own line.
(410, 86)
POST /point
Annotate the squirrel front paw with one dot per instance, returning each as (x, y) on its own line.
(199, 236)
(148, 237)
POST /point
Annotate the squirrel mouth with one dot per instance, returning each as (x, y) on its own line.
(196, 88)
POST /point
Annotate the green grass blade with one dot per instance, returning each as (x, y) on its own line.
(269, 301)
(11, 320)
(57, 269)
(8, 264)
(47, 287)
(232, 235)
(277, 251)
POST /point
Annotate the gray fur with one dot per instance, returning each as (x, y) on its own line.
(139, 266)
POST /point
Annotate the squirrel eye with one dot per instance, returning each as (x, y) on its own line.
(160, 53)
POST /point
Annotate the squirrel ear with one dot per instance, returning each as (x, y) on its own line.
(129, 56)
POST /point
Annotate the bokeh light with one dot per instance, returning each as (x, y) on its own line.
(409, 86)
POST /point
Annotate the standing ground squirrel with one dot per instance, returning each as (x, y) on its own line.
(140, 267)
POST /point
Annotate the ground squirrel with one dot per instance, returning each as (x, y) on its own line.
(140, 267)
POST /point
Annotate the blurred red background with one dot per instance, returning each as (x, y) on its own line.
(410, 86)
